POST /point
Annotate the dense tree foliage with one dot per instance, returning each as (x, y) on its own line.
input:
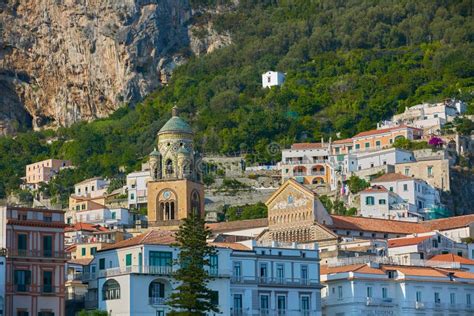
(349, 64)
(247, 211)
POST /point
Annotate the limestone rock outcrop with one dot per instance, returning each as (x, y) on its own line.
(63, 61)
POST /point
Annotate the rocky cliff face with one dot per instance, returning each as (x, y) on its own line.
(62, 61)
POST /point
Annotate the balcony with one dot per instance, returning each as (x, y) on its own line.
(157, 301)
(22, 288)
(419, 305)
(318, 173)
(20, 253)
(166, 271)
(290, 282)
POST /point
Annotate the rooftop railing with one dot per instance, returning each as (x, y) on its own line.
(337, 262)
(293, 282)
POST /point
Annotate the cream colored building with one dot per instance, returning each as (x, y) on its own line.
(43, 171)
(176, 189)
(434, 172)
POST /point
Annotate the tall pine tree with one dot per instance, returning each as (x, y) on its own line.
(192, 296)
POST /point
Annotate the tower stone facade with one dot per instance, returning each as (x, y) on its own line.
(176, 189)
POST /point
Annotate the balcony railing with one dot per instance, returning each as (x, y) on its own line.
(318, 173)
(295, 282)
(38, 254)
(156, 301)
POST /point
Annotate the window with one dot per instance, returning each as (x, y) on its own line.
(22, 244)
(264, 304)
(21, 313)
(339, 292)
(47, 282)
(377, 143)
(452, 298)
(382, 202)
(305, 305)
(418, 296)
(391, 189)
(132, 196)
(111, 290)
(437, 299)
(156, 293)
(263, 272)
(435, 243)
(128, 259)
(280, 273)
(468, 299)
(213, 265)
(369, 200)
(237, 270)
(101, 263)
(114, 215)
(215, 297)
(357, 146)
(22, 280)
(162, 261)
(384, 292)
(367, 145)
(304, 274)
(45, 313)
(237, 303)
(430, 171)
(93, 251)
(281, 305)
(405, 187)
(48, 246)
(407, 171)
(83, 251)
(47, 219)
(369, 291)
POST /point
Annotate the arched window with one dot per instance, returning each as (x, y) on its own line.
(169, 167)
(156, 292)
(195, 203)
(111, 290)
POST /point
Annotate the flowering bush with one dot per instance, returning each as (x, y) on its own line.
(435, 141)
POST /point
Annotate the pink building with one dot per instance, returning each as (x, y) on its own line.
(43, 171)
(35, 261)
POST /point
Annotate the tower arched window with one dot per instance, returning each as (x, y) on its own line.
(195, 203)
(111, 290)
(169, 167)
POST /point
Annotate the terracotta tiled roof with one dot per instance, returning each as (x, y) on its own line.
(70, 248)
(238, 225)
(449, 223)
(375, 189)
(463, 274)
(375, 225)
(390, 177)
(383, 131)
(401, 242)
(152, 237)
(306, 145)
(449, 257)
(85, 227)
(82, 261)
(343, 141)
(360, 268)
(230, 245)
(418, 271)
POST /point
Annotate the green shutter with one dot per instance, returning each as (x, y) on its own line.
(128, 259)
(102, 264)
(83, 251)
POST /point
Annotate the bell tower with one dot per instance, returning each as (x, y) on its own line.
(176, 189)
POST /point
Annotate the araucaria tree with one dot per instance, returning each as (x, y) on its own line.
(192, 296)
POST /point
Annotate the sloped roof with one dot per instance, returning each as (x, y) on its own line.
(81, 261)
(230, 245)
(152, 237)
(375, 225)
(85, 227)
(419, 271)
(449, 257)
(238, 225)
(343, 141)
(383, 131)
(375, 189)
(449, 223)
(390, 177)
(306, 145)
(360, 268)
(410, 241)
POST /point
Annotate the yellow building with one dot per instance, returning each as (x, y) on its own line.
(176, 189)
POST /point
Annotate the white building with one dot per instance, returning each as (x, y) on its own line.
(137, 188)
(276, 279)
(414, 191)
(133, 277)
(93, 187)
(272, 78)
(106, 217)
(378, 202)
(379, 289)
(424, 246)
(373, 159)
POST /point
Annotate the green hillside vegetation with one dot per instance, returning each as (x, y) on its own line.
(349, 64)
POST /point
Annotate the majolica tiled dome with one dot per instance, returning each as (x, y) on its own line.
(176, 125)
